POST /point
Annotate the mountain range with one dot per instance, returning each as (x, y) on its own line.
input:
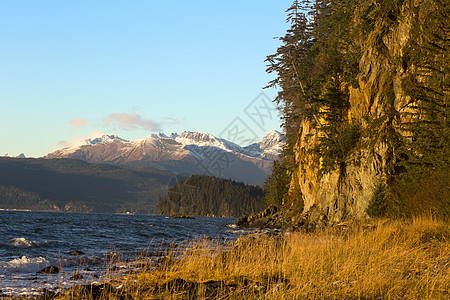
(185, 153)
(110, 174)
(21, 155)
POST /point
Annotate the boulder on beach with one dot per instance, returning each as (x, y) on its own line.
(76, 276)
(90, 291)
(49, 270)
(259, 220)
(75, 252)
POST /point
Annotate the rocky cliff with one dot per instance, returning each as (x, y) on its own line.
(379, 103)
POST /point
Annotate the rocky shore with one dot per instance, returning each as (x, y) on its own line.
(210, 290)
(289, 219)
(378, 260)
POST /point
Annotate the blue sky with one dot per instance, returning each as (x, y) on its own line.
(70, 69)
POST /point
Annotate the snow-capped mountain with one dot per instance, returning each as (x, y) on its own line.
(99, 139)
(104, 139)
(21, 155)
(268, 148)
(205, 139)
(188, 152)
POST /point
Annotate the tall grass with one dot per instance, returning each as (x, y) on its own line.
(385, 260)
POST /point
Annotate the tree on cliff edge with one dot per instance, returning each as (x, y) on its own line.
(337, 49)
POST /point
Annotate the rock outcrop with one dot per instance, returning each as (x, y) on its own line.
(378, 105)
(336, 196)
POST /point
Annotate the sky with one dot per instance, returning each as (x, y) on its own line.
(76, 69)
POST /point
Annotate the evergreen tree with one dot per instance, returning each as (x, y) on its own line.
(318, 56)
(291, 64)
(276, 185)
(201, 195)
(426, 63)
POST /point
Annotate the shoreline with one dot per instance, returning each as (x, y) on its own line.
(380, 259)
(31, 241)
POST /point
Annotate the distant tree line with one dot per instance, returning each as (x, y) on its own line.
(12, 197)
(76, 186)
(201, 195)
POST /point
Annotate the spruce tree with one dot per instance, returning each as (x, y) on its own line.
(290, 64)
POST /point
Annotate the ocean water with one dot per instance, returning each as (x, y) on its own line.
(30, 241)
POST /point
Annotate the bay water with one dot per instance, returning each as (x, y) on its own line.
(31, 241)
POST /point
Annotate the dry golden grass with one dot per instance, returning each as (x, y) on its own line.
(384, 260)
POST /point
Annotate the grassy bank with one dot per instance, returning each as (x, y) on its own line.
(382, 260)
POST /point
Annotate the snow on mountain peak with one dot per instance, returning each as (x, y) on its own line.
(196, 137)
(93, 139)
(268, 147)
(159, 135)
(206, 139)
(21, 155)
(273, 134)
(160, 146)
(104, 139)
(150, 138)
(270, 139)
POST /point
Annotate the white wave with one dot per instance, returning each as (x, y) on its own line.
(238, 231)
(23, 242)
(23, 265)
(18, 285)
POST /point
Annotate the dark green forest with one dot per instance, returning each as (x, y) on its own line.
(320, 62)
(76, 186)
(201, 195)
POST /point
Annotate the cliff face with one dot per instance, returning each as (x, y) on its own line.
(364, 99)
(345, 193)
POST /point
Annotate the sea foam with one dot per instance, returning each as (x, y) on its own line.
(23, 265)
(23, 242)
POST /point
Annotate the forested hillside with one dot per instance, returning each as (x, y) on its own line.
(77, 186)
(201, 195)
(363, 92)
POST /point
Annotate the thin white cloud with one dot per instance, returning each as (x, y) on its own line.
(79, 139)
(131, 121)
(78, 123)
